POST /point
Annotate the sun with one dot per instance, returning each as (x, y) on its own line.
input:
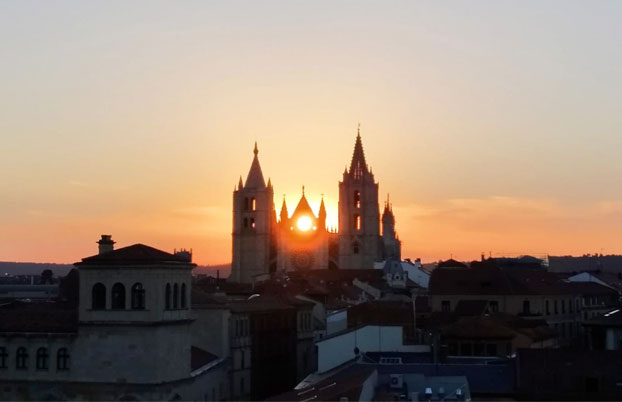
(304, 223)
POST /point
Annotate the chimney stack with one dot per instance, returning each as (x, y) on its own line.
(106, 244)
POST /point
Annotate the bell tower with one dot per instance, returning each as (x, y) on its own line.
(359, 218)
(254, 221)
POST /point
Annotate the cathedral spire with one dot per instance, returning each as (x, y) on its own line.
(358, 166)
(322, 214)
(240, 184)
(284, 215)
(255, 176)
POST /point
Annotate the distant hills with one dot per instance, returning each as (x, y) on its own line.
(33, 268)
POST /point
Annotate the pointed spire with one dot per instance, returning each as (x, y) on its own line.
(358, 166)
(284, 215)
(240, 184)
(303, 190)
(255, 176)
(269, 183)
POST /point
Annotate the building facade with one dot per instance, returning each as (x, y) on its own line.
(128, 339)
(263, 244)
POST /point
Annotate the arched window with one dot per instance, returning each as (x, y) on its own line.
(167, 296)
(138, 296)
(98, 297)
(183, 295)
(357, 198)
(42, 359)
(62, 359)
(355, 248)
(253, 204)
(3, 357)
(357, 222)
(21, 359)
(175, 296)
(118, 296)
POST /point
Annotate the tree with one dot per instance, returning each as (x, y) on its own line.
(46, 276)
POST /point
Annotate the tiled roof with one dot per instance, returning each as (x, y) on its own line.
(492, 280)
(137, 254)
(38, 317)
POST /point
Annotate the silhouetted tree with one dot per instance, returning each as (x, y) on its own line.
(69, 288)
(46, 276)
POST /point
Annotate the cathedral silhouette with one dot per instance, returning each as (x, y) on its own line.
(264, 245)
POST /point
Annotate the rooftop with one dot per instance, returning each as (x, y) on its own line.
(137, 254)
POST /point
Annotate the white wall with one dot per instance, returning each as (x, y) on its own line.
(336, 321)
(336, 350)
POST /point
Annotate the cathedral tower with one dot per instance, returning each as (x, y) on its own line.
(392, 245)
(359, 219)
(254, 224)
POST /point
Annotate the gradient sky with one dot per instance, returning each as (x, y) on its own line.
(495, 125)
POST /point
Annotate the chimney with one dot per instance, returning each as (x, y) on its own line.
(106, 244)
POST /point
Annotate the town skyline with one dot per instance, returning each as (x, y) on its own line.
(493, 127)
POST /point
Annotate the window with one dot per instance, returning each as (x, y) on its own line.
(138, 297)
(42, 359)
(526, 307)
(546, 307)
(167, 296)
(478, 349)
(357, 199)
(355, 248)
(445, 306)
(570, 306)
(465, 349)
(357, 222)
(491, 349)
(98, 297)
(183, 295)
(3, 357)
(494, 306)
(118, 296)
(253, 223)
(555, 307)
(253, 204)
(242, 359)
(21, 359)
(62, 359)
(175, 296)
(563, 306)
(246, 204)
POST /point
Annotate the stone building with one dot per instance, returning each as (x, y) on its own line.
(263, 245)
(129, 338)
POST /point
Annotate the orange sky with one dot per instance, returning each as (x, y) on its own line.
(494, 126)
